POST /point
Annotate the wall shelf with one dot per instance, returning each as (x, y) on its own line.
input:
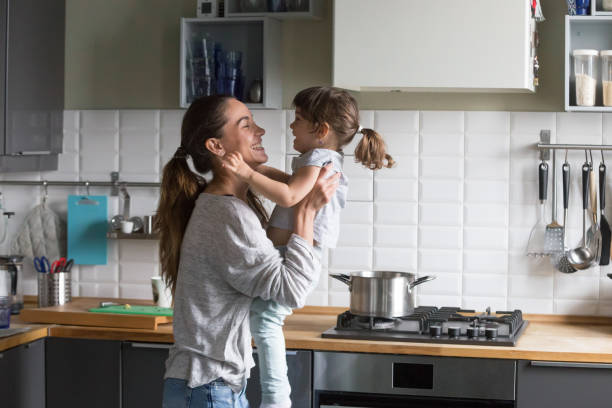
(295, 10)
(590, 32)
(256, 38)
(597, 9)
(133, 235)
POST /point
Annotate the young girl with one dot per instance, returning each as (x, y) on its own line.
(326, 120)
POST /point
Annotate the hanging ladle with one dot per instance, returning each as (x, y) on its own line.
(582, 257)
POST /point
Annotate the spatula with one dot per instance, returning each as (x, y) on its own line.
(553, 237)
(535, 245)
(606, 234)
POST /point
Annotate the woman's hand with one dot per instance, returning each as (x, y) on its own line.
(234, 162)
(323, 190)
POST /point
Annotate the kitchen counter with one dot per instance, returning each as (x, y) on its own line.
(35, 332)
(547, 337)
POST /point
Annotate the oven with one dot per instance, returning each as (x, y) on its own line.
(388, 381)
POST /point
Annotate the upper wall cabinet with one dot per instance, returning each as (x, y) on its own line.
(434, 45)
(31, 83)
(279, 9)
(231, 56)
(584, 82)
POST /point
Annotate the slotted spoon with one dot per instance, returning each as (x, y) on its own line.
(559, 259)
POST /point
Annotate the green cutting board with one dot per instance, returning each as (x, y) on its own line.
(140, 310)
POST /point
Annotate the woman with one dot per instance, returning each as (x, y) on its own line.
(216, 257)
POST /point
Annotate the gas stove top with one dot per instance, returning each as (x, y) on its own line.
(430, 324)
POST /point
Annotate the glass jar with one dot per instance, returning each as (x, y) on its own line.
(606, 76)
(585, 76)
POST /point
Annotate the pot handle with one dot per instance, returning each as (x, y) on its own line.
(342, 278)
(422, 279)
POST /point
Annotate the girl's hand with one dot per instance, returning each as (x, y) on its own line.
(323, 190)
(235, 163)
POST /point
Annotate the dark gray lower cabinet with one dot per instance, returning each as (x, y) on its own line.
(22, 376)
(563, 385)
(143, 366)
(83, 373)
(299, 367)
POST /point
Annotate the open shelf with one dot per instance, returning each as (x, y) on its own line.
(303, 10)
(597, 9)
(590, 32)
(133, 235)
(258, 41)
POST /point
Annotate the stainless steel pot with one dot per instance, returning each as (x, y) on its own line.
(381, 293)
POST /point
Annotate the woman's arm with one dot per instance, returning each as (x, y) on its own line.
(254, 267)
(285, 195)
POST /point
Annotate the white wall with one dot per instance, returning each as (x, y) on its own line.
(459, 204)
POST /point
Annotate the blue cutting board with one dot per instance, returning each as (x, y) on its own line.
(87, 226)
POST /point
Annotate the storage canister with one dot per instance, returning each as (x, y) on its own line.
(584, 74)
(606, 76)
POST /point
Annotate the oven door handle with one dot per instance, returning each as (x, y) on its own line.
(565, 364)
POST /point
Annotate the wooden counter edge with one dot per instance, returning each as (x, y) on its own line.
(23, 338)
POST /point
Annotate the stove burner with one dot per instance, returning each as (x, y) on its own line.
(432, 324)
(374, 323)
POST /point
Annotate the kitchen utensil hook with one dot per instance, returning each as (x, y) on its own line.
(85, 200)
(591, 154)
(566, 155)
(602, 157)
(45, 192)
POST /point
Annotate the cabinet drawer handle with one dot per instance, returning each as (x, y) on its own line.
(151, 345)
(287, 352)
(564, 364)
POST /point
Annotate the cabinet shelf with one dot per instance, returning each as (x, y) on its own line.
(597, 9)
(591, 32)
(306, 10)
(256, 38)
(133, 235)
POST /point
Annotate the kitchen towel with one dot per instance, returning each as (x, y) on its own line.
(42, 233)
(87, 226)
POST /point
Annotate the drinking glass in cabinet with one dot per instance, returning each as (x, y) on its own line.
(586, 79)
(252, 6)
(606, 76)
(299, 5)
(199, 66)
(276, 6)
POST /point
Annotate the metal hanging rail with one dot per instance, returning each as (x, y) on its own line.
(562, 146)
(115, 183)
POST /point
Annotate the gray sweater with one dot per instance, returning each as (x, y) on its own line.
(226, 261)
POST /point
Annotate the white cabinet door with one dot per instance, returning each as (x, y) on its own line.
(434, 45)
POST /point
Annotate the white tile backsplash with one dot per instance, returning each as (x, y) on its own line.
(460, 203)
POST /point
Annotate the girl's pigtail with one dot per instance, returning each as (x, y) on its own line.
(372, 151)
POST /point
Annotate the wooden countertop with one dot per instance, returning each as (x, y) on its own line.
(35, 332)
(547, 337)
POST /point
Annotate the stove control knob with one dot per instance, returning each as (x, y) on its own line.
(454, 332)
(435, 331)
(472, 332)
(491, 333)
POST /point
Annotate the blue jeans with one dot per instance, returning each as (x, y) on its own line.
(267, 318)
(216, 394)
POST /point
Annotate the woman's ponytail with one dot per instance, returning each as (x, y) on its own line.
(180, 187)
(372, 151)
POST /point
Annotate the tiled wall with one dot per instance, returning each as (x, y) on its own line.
(459, 204)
